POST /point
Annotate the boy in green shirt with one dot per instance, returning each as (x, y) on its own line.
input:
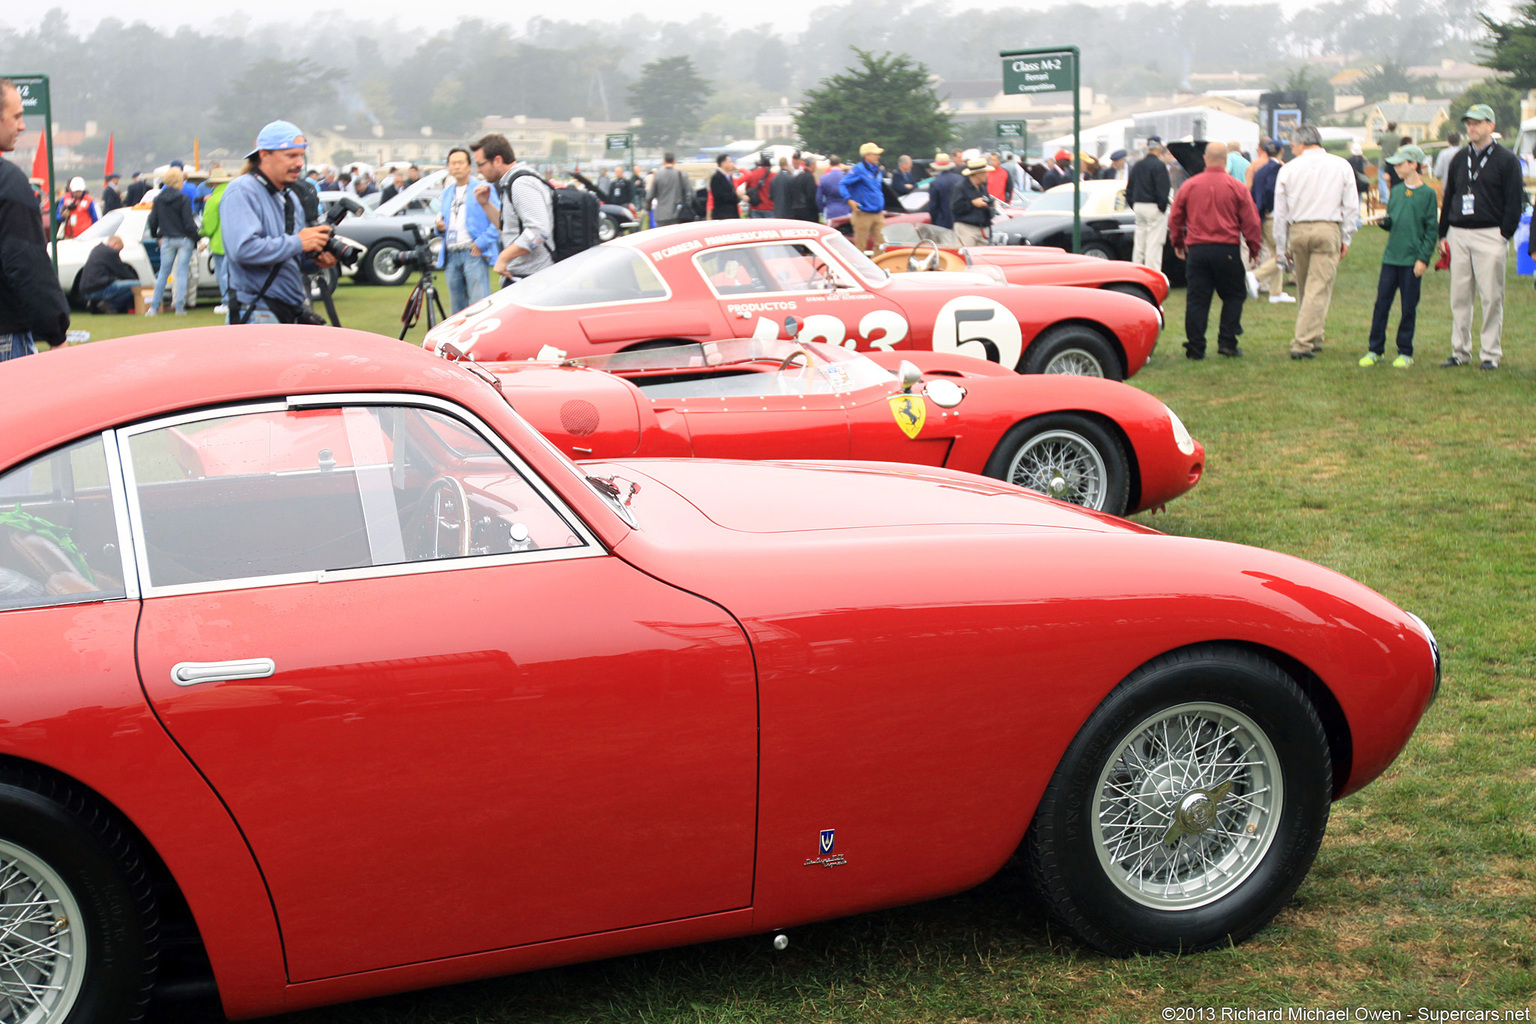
(1413, 219)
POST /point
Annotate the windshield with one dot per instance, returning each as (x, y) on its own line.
(702, 368)
(426, 189)
(108, 225)
(601, 274)
(1059, 198)
(853, 259)
(912, 234)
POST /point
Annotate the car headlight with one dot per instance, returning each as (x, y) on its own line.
(1434, 648)
(1181, 435)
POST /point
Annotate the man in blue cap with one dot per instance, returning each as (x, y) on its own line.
(265, 240)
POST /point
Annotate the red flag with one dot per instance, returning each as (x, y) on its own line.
(40, 163)
(106, 172)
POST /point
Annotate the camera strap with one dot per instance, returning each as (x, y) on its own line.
(243, 315)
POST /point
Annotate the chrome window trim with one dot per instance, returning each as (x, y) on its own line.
(590, 547)
(126, 544)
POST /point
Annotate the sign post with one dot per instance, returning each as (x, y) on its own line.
(1014, 136)
(1050, 70)
(35, 105)
(623, 141)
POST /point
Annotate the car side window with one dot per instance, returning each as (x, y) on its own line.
(291, 492)
(58, 533)
(781, 267)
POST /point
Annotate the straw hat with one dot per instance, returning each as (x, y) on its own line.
(942, 162)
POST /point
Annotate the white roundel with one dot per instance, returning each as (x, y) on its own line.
(974, 325)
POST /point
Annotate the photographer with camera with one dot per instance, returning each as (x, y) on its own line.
(265, 237)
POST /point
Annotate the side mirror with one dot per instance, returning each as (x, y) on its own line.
(791, 328)
(909, 375)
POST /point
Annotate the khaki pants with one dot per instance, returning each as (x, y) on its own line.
(1314, 245)
(1478, 256)
(1268, 271)
(868, 230)
(971, 234)
(1151, 234)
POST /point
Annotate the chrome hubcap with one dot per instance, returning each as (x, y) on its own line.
(1063, 465)
(42, 950)
(1186, 808)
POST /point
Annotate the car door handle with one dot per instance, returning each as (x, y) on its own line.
(190, 673)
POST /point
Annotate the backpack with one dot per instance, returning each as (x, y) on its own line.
(576, 211)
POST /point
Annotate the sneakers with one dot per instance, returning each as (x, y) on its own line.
(1253, 285)
(151, 312)
(1231, 353)
(1488, 364)
(1451, 362)
(1403, 362)
(221, 309)
(1281, 297)
(1370, 359)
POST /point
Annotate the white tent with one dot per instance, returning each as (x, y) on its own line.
(1180, 123)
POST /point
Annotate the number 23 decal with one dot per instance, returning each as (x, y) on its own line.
(880, 329)
(971, 325)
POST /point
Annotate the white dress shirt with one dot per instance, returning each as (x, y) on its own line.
(1316, 186)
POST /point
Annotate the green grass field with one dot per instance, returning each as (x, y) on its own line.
(1417, 482)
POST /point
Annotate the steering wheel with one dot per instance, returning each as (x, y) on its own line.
(929, 262)
(821, 277)
(799, 353)
(795, 385)
(443, 509)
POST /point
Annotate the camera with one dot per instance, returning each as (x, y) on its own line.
(346, 252)
(420, 256)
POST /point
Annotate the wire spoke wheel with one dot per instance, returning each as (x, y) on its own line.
(1188, 806)
(42, 943)
(1076, 361)
(1064, 465)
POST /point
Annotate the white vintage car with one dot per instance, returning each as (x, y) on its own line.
(129, 224)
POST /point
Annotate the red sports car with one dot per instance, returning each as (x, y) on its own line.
(720, 279)
(433, 702)
(1092, 442)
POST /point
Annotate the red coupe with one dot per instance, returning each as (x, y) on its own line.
(720, 279)
(431, 702)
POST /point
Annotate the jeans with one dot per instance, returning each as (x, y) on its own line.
(118, 295)
(1217, 268)
(468, 279)
(1394, 280)
(177, 252)
(14, 346)
(221, 274)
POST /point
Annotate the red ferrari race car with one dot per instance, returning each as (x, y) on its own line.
(924, 247)
(605, 707)
(718, 279)
(1095, 443)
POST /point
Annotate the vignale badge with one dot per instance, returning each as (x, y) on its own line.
(827, 858)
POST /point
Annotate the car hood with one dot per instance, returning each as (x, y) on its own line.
(810, 497)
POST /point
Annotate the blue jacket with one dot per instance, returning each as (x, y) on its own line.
(941, 193)
(828, 196)
(256, 239)
(1264, 188)
(865, 185)
(481, 231)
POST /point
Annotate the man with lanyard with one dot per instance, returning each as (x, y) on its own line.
(265, 239)
(471, 240)
(527, 214)
(1483, 196)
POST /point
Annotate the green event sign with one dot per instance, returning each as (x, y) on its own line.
(34, 94)
(1014, 134)
(617, 142)
(1034, 73)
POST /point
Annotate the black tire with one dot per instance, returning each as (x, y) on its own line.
(1098, 250)
(607, 228)
(381, 264)
(1072, 348)
(69, 849)
(1123, 894)
(1127, 288)
(1086, 459)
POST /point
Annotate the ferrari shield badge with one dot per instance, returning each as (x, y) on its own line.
(910, 412)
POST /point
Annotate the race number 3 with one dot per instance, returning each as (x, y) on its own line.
(974, 325)
(881, 329)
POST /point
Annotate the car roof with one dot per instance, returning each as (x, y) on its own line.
(721, 232)
(57, 397)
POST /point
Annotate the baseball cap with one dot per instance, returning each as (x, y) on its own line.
(77, 184)
(1118, 154)
(1062, 154)
(1154, 142)
(1409, 152)
(278, 135)
(1479, 112)
(868, 148)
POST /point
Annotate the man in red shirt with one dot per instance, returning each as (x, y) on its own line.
(1212, 217)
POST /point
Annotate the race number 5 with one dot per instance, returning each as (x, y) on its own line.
(974, 325)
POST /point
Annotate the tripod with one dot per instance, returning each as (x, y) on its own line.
(423, 297)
